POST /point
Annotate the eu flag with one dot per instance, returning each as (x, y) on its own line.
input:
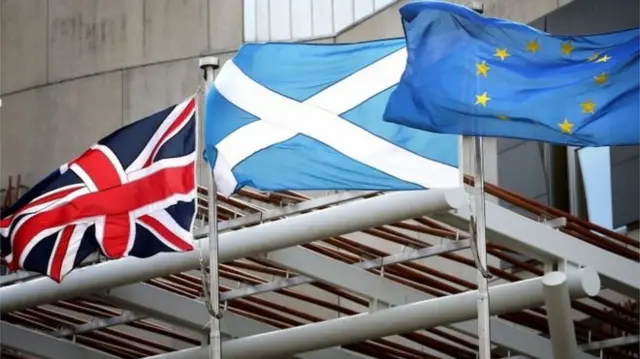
(473, 75)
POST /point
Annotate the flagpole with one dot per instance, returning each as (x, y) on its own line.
(484, 324)
(208, 65)
(479, 224)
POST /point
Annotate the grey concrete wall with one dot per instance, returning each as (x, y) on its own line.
(75, 70)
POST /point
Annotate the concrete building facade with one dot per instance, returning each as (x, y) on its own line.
(72, 71)
(75, 70)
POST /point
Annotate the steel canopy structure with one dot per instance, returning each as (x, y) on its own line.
(286, 256)
(347, 275)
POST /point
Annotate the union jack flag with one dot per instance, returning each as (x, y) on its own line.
(131, 194)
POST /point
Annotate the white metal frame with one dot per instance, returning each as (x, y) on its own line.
(406, 318)
(547, 244)
(304, 228)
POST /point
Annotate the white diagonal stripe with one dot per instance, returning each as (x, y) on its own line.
(47, 232)
(53, 252)
(362, 84)
(84, 176)
(337, 98)
(250, 139)
(73, 247)
(35, 210)
(166, 123)
(132, 235)
(170, 223)
(316, 122)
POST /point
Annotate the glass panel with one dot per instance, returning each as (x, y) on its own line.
(249, 20)
(379, 4)
(301, 18)
(343, 14)
(262, 24)
(280, 20)
(363, 8)
(322, 17)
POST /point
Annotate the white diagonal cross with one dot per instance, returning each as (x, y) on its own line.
(282, 118)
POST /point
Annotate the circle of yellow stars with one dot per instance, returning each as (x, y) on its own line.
(533, 46)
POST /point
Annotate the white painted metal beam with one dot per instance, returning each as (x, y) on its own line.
(372, 286)
(530, 344)
(343, 275)
(192, 314)
(611, 343)
(41, 345)
(604, 344)
(506, 298)
(233, 224)
(547, 244)
(405, 256)
(558, 305)
(23, 275)
(300, 229)
(292, 209)
(98, 323)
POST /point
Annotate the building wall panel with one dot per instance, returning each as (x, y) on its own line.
(91, 36)
(24, 44)
(46, 127)
(174, 29)
(225, 24)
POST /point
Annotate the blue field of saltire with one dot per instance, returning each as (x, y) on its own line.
(285, 116)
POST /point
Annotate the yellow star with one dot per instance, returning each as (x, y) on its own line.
(593, 57)
(533, 46)
(604, 58)
(502, 54)
(503, 117)
(482, 99)
(588, 107)
(482, 69)
(601, 79)
(567, 48)
(566, 126)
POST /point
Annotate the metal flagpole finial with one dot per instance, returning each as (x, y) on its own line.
(208, 63)
(477, 6)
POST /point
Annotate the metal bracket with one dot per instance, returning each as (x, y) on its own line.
(556, 222)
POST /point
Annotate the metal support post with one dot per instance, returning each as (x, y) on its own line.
(484, 327)
(509, 298)
(479, 236)
(558, 305)
(209, 65)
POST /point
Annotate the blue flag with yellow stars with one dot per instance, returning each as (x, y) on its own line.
(478, 76)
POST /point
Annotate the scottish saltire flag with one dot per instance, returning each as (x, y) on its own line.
(131, 194)
(309, 117)
(472, 75)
